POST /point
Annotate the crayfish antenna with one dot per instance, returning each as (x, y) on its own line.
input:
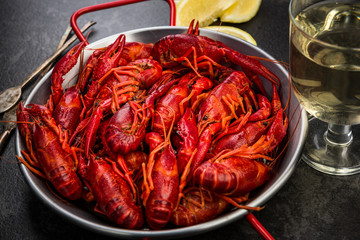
(29, 163)
(145, 186)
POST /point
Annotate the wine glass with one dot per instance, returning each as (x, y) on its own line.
(325, 75)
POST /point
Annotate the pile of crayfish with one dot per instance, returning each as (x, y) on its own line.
(157, 133)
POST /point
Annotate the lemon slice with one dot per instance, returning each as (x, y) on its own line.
(204, 11)
(241, 11)
(237, 32)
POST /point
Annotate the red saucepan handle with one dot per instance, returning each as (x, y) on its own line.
(258, 227)
(250, 217)
(102, 6)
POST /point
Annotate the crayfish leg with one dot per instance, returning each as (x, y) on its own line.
(203, 146)
(188, 63)
(120, 160)
(198, 205)
(184, 176)
(255, 79)
(264, 111)
(236, 202)
(30, 164)
(250, 63)
(278, 129)
(276, 102)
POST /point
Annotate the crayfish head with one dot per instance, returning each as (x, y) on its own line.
(161, 51)
(168, 49)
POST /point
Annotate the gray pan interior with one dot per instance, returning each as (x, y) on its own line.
(281, 173)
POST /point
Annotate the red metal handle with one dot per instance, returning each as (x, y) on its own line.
(260, 229)
(102, 6)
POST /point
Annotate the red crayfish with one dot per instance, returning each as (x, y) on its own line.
(157, 133)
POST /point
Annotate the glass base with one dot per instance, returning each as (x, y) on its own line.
(326, 157)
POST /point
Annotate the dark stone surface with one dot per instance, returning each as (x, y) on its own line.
(311, 205)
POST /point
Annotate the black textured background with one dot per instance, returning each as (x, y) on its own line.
(311, 205)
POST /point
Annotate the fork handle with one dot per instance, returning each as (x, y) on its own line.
(3, 138)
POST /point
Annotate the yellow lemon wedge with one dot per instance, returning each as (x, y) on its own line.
(237, 32)
(241, 11)
(204, 11)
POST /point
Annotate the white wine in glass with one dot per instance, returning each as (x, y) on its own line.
(325, 74)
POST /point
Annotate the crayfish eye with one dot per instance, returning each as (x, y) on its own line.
(205, 117)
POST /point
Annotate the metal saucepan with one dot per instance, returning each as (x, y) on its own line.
(281, 173)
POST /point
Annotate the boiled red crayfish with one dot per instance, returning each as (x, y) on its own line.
(120, 85)
(157, 133)
(175, 49)
(46, 155)
(127, 127)
(102, 60)
(172, 106)
(111, 192)
(235, 173)
(161, 180)
(216, 112)
(198, 206)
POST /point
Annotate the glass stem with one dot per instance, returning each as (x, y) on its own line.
(338, 134)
